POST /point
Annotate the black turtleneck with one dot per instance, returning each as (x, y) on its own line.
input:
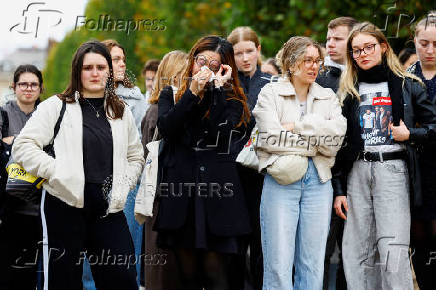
(382, 73)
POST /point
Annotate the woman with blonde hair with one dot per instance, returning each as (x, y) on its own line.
(423, 234)
(300, 130)
(376, 174)
(167, 76)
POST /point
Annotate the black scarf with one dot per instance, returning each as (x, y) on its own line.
(382, 73)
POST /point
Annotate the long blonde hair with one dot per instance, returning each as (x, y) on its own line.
(347, 85)
(428, 21)
(168, 72)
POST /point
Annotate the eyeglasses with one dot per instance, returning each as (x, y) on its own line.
(25, 86)
(214, 65)
(308, 62)
(370, 48)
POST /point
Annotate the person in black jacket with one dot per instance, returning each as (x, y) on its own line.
(246, 46)
(423, 233)
(202, 214)
(376, 176)
(20, 224)
(334, 64)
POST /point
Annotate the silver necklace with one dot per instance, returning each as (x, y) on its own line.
(96, 111)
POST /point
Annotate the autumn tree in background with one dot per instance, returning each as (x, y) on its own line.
(186, 21)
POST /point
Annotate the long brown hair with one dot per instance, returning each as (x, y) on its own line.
(349, 76)
(111, 43)
(170, 69)
(244, 33)
(114, 105)
(225, 50)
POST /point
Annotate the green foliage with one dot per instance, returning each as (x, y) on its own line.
(186, 21)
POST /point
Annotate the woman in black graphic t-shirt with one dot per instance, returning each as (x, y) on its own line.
(371, 175)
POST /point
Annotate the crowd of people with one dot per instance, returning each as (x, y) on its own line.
(344, 148)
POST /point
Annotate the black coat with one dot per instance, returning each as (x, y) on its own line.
(251, 87)
(329, 78)
(420, 119)
(184, 127)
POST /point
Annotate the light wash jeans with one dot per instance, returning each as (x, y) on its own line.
(375, 246)
(295, 223)
(135, 231)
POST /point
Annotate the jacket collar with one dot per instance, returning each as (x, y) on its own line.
(328, 62)
(285, 88)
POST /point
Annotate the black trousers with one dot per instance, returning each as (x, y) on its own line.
(423, 244)
(335, 237)
(20, 246)
(72, 234)
(252, 183)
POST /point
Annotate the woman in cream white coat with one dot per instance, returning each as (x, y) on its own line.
(98, 160)
(300, 130)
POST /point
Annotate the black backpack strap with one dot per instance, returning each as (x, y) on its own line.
(5, 126)
(59, 121)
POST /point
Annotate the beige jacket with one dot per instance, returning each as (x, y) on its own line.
(65, 174)
(319, 134)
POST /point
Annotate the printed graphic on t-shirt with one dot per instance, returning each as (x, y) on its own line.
(375, 118)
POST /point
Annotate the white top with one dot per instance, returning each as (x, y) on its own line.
(65, 174)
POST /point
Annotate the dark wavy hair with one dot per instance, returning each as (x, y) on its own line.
(29, 68)
(111, 43)
(114, 105)
(225, 49)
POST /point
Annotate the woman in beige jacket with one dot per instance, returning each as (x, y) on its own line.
(98, 159)
(300, 130)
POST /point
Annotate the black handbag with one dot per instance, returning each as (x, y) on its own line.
(5, 153)
(22, 184)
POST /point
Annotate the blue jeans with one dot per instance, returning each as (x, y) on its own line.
(295, 221)
(135, 231)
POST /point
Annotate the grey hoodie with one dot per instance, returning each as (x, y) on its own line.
(136, 102)
(17, 118)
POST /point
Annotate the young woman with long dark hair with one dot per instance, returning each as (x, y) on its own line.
(202, 214)
(98, 159)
